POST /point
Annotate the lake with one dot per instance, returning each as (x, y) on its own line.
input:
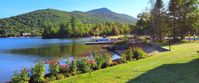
(18, 53)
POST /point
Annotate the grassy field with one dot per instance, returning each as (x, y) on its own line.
(181, 65)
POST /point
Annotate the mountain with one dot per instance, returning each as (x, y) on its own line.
(107, 15)
(35, 21)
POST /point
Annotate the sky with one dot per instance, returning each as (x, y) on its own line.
(10, 8)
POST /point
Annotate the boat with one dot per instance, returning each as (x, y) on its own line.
(101, 41)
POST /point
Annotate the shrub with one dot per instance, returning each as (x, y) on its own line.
(92, 64)
(123, 58)
(37, 73)
(54, 69)
(108, 59)
(100, 60)
(84, 66)
(138, 53)
(129, 54)
(73, 67)
(65, 69)
(23, 77)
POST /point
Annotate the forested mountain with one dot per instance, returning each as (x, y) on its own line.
(35, 22)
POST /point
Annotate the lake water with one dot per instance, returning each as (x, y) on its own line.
(18, 53)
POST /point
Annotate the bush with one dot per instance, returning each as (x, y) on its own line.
(138, 53)
(23, 77)
(65, 69)
(100, 60)
(123, 58)
(129, 54)
(73, 67)
(84, 66)
(38, 73)
(108, 59)
(54, 69)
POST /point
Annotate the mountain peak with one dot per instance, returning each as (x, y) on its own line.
(104, 8)
(101, 10)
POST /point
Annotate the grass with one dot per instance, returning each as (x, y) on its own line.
(118, 36)
(181, 65)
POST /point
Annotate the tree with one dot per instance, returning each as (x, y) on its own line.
(143, 24)
(62, 31)
(181, 13)
(115, 30)
(157, 19)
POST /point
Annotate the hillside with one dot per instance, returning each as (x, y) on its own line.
(35, 22)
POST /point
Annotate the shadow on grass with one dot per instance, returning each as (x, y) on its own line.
(171, 73)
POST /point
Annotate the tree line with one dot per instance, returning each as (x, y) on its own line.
(176, 20)
(75, 28)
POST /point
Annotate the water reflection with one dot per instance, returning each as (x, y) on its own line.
(58, 50)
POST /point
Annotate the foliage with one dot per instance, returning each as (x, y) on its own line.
(138, 53)
(177, 20)
(129, 54)
(75, 28)
(54, 69)
(108, 57)
(23, 77)
(143, 24)
(37, 73)
(84, 65)
(132, 53)
(65, 69)
(100, 60)
(123, 58)
(185, 14)
(74, 67)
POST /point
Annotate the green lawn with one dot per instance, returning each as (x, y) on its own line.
(181, 65)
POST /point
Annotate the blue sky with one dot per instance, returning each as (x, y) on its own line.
(15, 7)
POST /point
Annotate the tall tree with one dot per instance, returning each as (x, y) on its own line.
(157, 20)
(143, 24)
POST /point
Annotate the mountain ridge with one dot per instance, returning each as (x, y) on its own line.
(36, 21)
(95, 11)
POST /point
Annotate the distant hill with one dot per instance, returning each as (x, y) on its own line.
(35, 21)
